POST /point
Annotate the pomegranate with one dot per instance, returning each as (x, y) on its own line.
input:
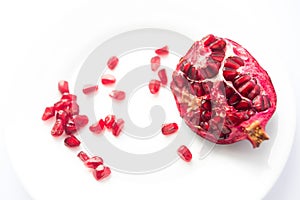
(222, 93)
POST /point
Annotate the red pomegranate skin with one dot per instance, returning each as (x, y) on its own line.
(222, 92)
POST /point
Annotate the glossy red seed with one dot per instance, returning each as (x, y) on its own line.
(96, 128)
(108, 79)
(70, 127)
(48, 113)
(112, 62)
(90, 89)
(81, 120)
(62, 115)
(101, 123)
(63, 86)
(61, 105)
(83, 156)
(117, 127)
(162, 51)
(71, 141)
(58, 128)
(170, 128)
(101, 172)
(68, 97)
(154, 86)
(155, 63)
(117, 95)
(74, 108)
(162, 74)
(184, 153)
(109, 121)
(93, 162)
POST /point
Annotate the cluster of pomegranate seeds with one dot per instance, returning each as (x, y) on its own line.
(96, 164)
(108, 79)
(184, 153)
(164, 51)
(168, 129)
(112, 62)
(117, 95)
(90, 89)
(155, 63)
(154, 86)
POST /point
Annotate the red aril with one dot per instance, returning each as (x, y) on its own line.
(68, 97)
(102, 123)
(48, 113)
(62, 115)
(58, 128)
(70, 127)
(93, 162)
(63, 87)
(90, 89)
(117, 95)
(112, 62)
(71, 141)
(184, 153)
(96, 128)
(83, 156)
(81, 120)
(101, 172)
(163, 76)
(162, 51)
(154, 86)
(117, 127)
(109, 121)
(155, 63)
(108, 79)
(168, 129)
(222, 93)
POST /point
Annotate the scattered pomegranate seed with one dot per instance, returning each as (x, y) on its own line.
(63, 87)
(118, 95)
(81, 120)
(112, 62)
(48, 113)
(184, 153)
(163, 76)
(109, 121)
(96, 128)
(154, 86)
(71, 141)
(101, 172)
(155, 63)
(101, 123)
(83, 156)
(108, 79)
(117, 127)
(90, 89)
(93, 162)
(74, 108)
(70, 127)
(162, 51)
(58, 128)
(170, 128)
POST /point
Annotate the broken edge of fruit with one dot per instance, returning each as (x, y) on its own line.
(256, 134)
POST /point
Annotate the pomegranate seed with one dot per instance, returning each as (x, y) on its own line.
(58, 128)
(72, 141)
(162, 51)
(74, 109)
(48, 113)
(62, 115)
(83, 156)
(184, 153)
(90, 89)
(108, 79)
(61, 105)
(63, 87)
(96, 128)
(70, 127)
(118, 95)
(109, 121)
(93, 162)
(117, 127)
(81, 120)
(68, 97)
(168, 129)
(101, 123)
(163, 76)
(155, 63)
(101, 172)
(112, 62)
(154, 86)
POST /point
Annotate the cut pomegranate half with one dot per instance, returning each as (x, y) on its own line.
(222, 93)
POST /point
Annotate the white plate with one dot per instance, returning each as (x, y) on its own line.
(48, 170)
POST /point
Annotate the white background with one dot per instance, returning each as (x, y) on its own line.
(53, 30)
